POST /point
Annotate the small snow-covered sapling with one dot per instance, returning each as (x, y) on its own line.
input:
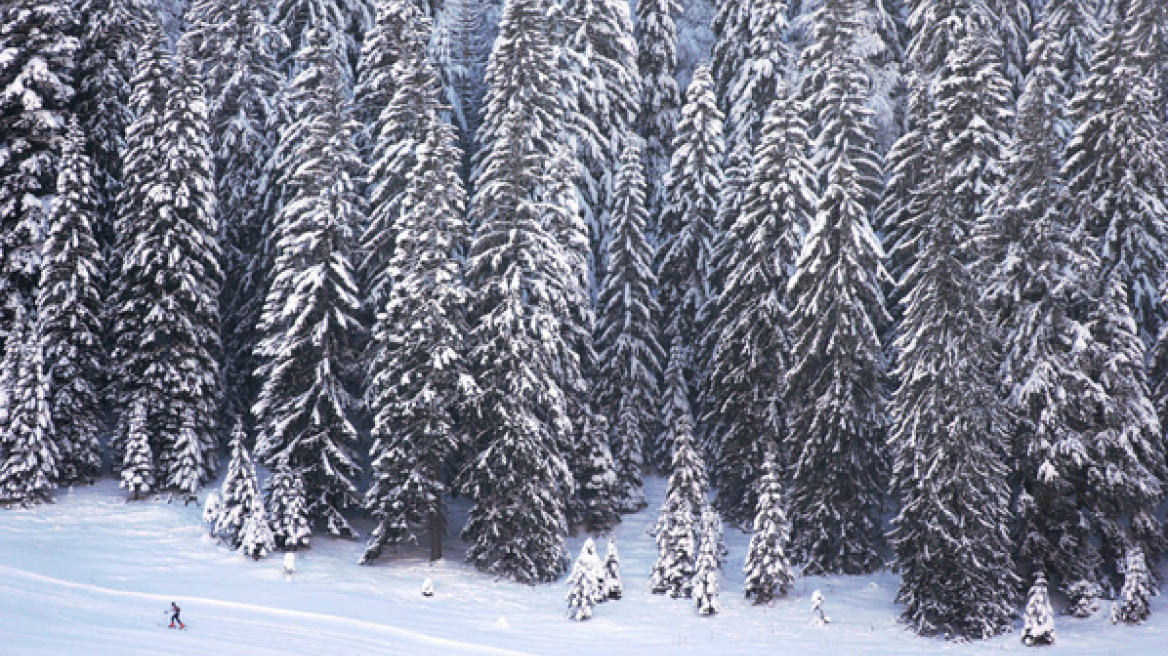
(613, 586)
(1083, 598)
(583, 585)
(1132, 605)
(289, 563)
(428, 587)
(1038, 627)
(211, 510)
(817, 603)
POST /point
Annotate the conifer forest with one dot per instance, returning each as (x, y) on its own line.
(881, 283)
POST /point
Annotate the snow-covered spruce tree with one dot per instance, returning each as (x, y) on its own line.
(674, 406)
(630, 354)
(459, 48)
(137, 464)
(732, 41)
(1124, 444)
(29, 456)
(601, 89)
(757, 82)
(656, 36)
(109, 33)
(304, 410)
(951, 534)
(399, 95)
(613, 586)
(69, 305)
(747, 379)
(598, 487)
(164, 298)
(706, 584)
(1075, 24)
(1116, 163)
(235, 45)
(1038, 619)
(768, 572)
(1039, 266)
(255, 538)
(287, 508)
(678, 524)
(1132, 605)
(517, 476)
(36, 74)
(240, 493)
(583, 591)
(342, 22)
(837, 382)
(418, 379)
(687, 225)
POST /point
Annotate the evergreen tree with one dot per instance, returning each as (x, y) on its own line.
(687, 226)
(677, 526)
(746, 389)
(1116, 163)
(310, 315)
(656, 36)
(1132, 605)
(1075, 26)
(164, 298)
(398, 94)
(706, 586)
(837, 381)
(675, 406)
(613, 586)
(950, 536)
(583, 591)
(69, 305)
(109, 33)
(732, 42)
(418, 381)
(36, 75)
(598, 489)
(137, 466)
(518, 476)
(768, 572)
(256, 539)
(1038, 621)
(758, 79)
(629, 351)
(602, 95)
(239, 495)
(29, 457)
(288, 508)
(339, 23)
(235, 45)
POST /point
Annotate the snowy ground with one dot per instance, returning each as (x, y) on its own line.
(92, 575)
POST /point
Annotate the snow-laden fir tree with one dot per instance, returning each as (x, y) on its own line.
(1039, 265)
(757, 80)
(598, 487)
(235, 45)
(517, 476)
(1075, 24)
(1132, 605)
(36, 75)
(137, 464)
(656, 35)
(614, 588)
(342, 23)
(69, 305)
(255, 538)
(629, 352)
(164, 297)
(239, 494)
(398, 94)
(948, 438)
(186, 460)
(1124, 445)
(418, 380)
(767, 568)
(1038, 618)
(310, 319)
(732, 41)
(837, 381)
(583, 589)
(747, 379)
(287, 508)
(677, 529)
(706, 584)
(1116, 162)
(29, 456)
(687, 224)
(675, 405)
(459, 49)
(109, 33)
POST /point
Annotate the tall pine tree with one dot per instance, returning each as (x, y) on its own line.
(656, 35)
(29, 456)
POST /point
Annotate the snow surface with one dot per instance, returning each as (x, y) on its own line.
(94, 575)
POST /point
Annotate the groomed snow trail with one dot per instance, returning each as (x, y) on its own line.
(93, 575)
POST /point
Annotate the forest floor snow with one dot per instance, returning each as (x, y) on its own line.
(93, 575)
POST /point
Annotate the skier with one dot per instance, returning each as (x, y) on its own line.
(174, 611)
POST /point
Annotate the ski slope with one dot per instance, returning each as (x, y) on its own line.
(94, 575)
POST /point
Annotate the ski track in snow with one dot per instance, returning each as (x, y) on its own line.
(93, 575)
